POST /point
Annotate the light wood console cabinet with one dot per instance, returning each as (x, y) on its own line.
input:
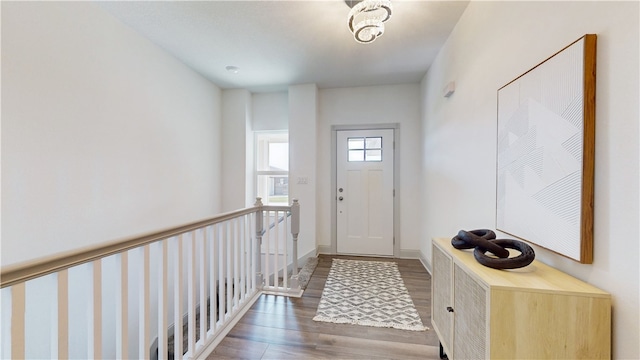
(535, 312)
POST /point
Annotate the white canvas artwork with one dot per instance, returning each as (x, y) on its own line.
(539, 153)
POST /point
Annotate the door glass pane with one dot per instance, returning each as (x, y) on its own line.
(356, 155)
(374, 143)
(356, 143)
(365, 149)
(373, 155)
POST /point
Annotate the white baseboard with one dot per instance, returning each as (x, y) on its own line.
(425, 262)
(222, 333)
(416, 254)
(404, 254)
(409, 254)
(324, 249)
(303, 259)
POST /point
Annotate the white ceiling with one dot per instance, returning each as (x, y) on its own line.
(281, 43)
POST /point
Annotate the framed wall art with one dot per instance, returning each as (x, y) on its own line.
(545, 152)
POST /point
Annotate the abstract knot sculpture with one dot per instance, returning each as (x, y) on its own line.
(484, 240)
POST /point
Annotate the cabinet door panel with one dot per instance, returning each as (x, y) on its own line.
(470, 320)
(442, 296)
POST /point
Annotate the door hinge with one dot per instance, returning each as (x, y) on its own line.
(394, 192)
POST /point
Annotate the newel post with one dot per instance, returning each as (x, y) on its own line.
(295, 289)
(258, 251)
(295, 230)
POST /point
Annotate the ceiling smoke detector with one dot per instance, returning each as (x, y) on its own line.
(232, 69)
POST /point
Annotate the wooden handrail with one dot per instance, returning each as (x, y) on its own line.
(21, 272)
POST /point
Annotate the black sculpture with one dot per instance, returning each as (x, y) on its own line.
(484, 240)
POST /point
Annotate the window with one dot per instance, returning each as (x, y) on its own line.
(365, 148)
(272, 167)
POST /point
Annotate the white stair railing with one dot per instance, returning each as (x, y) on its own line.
(279, 253)
(173, 293)
(277, 235)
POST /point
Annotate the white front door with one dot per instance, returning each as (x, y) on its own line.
(364, 178)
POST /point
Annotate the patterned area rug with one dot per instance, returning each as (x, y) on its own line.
(369, 293)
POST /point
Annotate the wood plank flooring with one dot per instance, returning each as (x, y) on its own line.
(278, 327)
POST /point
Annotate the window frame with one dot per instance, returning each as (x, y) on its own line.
(275, 134)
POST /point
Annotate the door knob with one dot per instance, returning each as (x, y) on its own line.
(340, 198)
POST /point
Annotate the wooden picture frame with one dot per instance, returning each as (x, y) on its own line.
(545, 152)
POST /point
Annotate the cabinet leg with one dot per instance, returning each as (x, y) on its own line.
(443, 355)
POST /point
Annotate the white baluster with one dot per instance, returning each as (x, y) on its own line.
(178, 291)
(221, 272)
(236, 262)
(243, 256)
(143, 303)
(213, 269)
(191, 291)
(276, 260)
(95, 345)
(229, 271)
(17, 321)
(285, 250)
(249, 253)
(202, 247)
(163, 264)
(266, 240)
(246, 255)
(255, 253)
(63, 314)
(122, 303)
(258, 227)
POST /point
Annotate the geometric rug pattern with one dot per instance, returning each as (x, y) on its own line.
(369, 293)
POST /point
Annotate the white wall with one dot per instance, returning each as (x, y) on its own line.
(237, 154)
(303, 157)
(104, 135)
(493, 43)
(242, 114)
(373, 105)
(270, 111)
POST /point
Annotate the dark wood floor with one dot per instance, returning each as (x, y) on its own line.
(278, 327)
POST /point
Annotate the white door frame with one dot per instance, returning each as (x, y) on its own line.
(396, 181)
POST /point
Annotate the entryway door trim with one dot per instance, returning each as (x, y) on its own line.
(396, 181)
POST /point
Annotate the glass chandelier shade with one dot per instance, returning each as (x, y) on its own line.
(366, 19)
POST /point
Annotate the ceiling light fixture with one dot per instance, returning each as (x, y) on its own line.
(367, 17)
